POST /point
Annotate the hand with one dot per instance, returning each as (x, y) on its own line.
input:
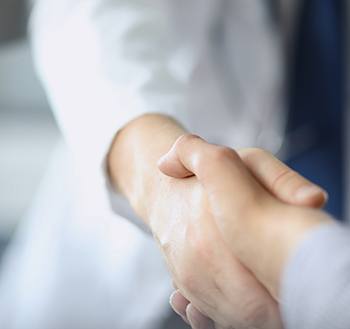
(191, 154)
(202, 265)
(178, 214)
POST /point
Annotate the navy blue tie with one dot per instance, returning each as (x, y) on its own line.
(317, 98)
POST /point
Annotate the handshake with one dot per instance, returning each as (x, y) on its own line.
(239, 217)
(227, 222)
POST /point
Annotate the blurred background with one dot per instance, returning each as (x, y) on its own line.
(27, 129)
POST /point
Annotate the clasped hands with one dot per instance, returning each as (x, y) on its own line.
(237, 219)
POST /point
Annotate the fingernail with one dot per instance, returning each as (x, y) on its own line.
(192, 317)
(308, 191)
(173, 306)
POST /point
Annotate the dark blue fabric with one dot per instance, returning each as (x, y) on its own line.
(317, 97)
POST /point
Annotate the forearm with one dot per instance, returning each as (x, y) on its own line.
(133, 157)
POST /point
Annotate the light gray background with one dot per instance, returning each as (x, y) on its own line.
(27, 130)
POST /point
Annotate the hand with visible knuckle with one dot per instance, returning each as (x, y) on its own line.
(196, 254)
(213, 276)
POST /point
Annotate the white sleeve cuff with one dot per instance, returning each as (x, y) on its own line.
(315, 289)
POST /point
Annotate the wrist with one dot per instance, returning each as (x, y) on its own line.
(133, 158)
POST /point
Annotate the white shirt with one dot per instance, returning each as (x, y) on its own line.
(76, 263)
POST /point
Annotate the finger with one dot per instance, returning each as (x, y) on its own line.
(206, 161)
(191, 155)
(179, 304)
(171, 164)
(283, 182)
(197, 319)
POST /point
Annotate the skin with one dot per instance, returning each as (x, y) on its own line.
(178, 211)
(271, 216)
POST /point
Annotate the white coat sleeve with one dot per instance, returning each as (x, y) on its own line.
(316, 285)
(103, 63)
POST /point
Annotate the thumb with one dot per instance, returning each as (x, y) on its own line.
(280, 180)
(171, 163)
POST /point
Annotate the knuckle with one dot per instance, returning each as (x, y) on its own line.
(222, 153)
(186, 138)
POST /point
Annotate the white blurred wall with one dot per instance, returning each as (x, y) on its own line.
(27, 133)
